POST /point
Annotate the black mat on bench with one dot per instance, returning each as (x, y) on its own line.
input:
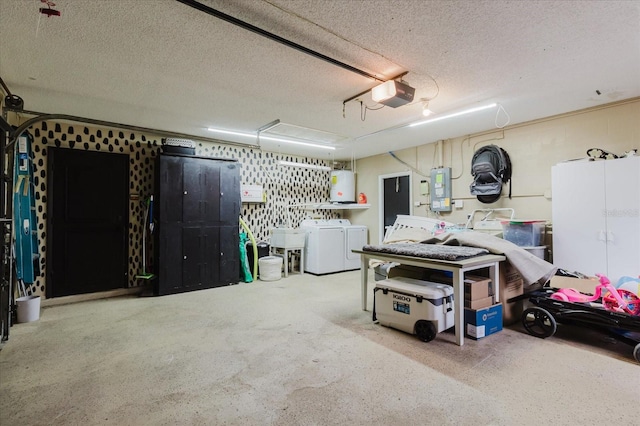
(427, 251)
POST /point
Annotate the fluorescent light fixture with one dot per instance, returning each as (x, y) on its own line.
(229, 132)
(393, 93)
(455, 114)
(269, 138)
(314, 145)
(304, 165)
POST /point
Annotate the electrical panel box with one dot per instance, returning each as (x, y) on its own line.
(441, 189)
(252, 193)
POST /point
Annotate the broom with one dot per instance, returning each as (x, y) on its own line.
(148, 214)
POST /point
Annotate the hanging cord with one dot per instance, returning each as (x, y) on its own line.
(468, 138)
(364, 108)
(353, 158)
(508, 117)
(430, 98)
(264, 170)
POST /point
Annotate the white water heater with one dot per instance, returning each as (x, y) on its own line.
(343, 186)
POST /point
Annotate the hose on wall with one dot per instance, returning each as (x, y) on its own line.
(255, 248)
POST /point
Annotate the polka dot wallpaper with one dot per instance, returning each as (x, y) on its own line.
(283, 186)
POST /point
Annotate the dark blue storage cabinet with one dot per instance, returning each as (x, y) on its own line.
(197, 216)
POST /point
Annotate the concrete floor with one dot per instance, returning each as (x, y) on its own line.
(298, 351)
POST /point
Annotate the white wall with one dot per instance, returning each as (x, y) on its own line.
(533, 147)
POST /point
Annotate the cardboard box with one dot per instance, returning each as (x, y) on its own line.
(483, 322)
(582, 285)
(511, 285)
(485, 302)
(512, 311)
(477, 288)
(508, 273)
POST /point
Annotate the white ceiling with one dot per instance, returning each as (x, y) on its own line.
(164, 65)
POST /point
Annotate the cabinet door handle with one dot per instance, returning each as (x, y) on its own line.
(602, 236)
(610, 236)
(185, 257)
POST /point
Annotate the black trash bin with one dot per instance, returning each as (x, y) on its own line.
(263, 251)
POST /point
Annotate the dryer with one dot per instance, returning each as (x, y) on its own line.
(329, 243)
(355, 239)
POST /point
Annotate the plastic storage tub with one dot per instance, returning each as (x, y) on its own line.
(540, 251)
(524, 233)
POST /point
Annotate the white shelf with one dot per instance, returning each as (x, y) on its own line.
(329, 206)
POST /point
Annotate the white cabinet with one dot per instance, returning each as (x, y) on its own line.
(596, 217)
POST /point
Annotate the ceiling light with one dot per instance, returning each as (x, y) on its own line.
(304, 165)
(269, 138)
(455, 114)
(425, 108)
(393, 93)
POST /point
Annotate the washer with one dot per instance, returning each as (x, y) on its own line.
(329, 243)
(324, 248)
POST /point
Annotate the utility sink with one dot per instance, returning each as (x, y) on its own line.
(287, 237)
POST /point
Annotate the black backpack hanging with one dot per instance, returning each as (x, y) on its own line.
(490, 168)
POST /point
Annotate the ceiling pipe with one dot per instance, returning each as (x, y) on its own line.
(235, 21)
(40, 116)
(266, 127)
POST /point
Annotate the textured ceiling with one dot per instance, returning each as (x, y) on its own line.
(164, 65)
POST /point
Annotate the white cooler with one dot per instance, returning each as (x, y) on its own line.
(417, 307)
